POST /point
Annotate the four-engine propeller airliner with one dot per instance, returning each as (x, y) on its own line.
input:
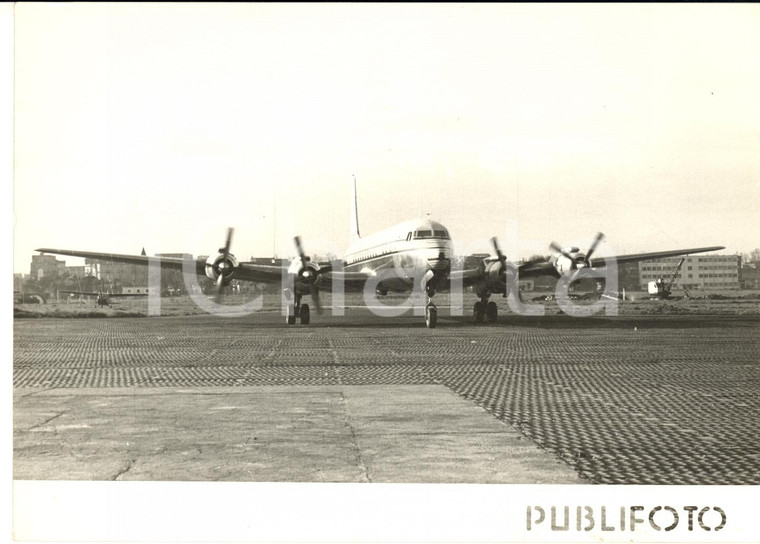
(395, 259)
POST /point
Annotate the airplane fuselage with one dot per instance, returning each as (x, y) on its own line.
(408, 249)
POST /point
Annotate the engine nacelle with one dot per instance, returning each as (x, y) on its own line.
(218, 265)
(566, 266)
(500, 276)
(305, 276)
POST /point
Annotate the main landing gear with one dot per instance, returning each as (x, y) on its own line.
(298, 310)
(485, 309)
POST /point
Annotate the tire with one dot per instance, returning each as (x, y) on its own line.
(305, 314)
(478, 312)
(492, 311)
(431, 317)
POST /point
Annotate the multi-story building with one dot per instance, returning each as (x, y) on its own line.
(84, 271)
(172, 281)
(750, 275)
(46, 266)
(118, 275)
(697, 271)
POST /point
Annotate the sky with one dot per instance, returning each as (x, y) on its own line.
(159, 126)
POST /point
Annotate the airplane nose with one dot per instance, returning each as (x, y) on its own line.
(441, 262)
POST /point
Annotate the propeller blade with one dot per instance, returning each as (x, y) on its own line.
(510, 280)
(228, 243)
(225, 253)
(219, 287)
(315, 298)
(299, 248)
(597, 240)
(555, 246)
(312, 275)
(497, 249)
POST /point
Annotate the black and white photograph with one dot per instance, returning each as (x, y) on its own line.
(385, 272)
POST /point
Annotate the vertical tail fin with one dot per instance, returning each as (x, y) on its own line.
(354, 214)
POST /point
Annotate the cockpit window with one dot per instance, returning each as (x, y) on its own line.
(438, 233)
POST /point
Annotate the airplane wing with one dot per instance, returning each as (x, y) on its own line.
(174, 263)
(353, 281)
(263, 273)
(536, 268)
(472, 276)
(546, 268)
(109, 295)
(468, 276)
(600, 261)
(245, 271)
(85, 293)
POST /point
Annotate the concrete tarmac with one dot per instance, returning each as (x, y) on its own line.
(366, 399)
(414, 433)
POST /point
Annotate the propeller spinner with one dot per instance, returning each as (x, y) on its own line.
(578, 260)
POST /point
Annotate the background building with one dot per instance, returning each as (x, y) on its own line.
(697, 272)
(46, 266)
(115, 276)
(750, 275)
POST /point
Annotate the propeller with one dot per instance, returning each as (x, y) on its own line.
(556, 247)
(508, 273)
(223, 264)
(579, 260)
(309, 275)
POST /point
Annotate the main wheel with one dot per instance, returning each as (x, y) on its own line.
(290, 319)
(478, 311)
(431, 317)
(305, 314)
(491, 312)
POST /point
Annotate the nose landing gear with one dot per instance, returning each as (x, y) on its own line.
(431, 315)
(431, 312)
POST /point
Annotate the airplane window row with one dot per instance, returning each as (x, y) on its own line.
(368, 255)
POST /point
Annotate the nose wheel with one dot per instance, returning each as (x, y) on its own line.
(431, 315)
(429, 284)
